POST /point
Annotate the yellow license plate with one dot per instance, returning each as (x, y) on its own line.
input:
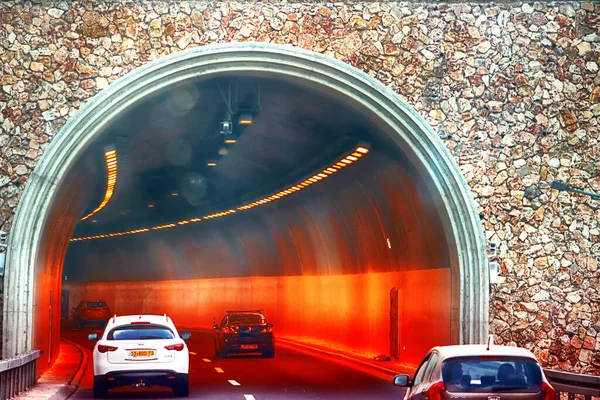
(141, 353)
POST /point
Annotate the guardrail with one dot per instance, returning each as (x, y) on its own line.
(572, 384)
(17, 374)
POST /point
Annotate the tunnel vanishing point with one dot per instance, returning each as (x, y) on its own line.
(356, 211)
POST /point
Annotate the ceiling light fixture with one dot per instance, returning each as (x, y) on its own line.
(356, 155)
(110, 158)
(245, 119)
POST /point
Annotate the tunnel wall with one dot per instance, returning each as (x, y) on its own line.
(345, 312)
(512, 89)
(321, 262)
(46, 322)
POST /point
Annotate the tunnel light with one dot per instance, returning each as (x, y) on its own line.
(389, 243)
(110, 158)
(230, 141)
(174, 194)
(356, 154)
(211, 164)
(245, 119)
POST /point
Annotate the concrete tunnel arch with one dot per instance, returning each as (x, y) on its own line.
(412, 134)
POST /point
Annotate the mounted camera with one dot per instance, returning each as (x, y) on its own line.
(226, 126)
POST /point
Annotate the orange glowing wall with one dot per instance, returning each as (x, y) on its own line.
(348, 312)
(58, 228)
(321, 263)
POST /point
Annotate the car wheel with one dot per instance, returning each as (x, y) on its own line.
(269, 353)
(182, 388)
(100, 390)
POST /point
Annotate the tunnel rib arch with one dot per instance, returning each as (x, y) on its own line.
(410, 131)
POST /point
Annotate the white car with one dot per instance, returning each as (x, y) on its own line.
(141, 350)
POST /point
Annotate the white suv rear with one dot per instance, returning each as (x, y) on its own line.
(140, 350)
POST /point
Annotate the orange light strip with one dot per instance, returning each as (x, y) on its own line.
(353, 157)
(111, 180)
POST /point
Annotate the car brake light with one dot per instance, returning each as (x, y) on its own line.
(102, 348)
(229, 331)
(140, 323)
(435, 391)
(548, 390)
(268, 329)
(177, 347)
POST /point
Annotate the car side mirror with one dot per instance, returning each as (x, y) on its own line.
(402, 380)
(185, 335)
(216, 327)
(93, 337)
(270, 325)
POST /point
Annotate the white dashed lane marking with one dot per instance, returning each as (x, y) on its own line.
(219, 370)
(249, 397)
(234, 383)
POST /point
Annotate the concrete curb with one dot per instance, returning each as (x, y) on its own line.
(292, 343)
(71, 387)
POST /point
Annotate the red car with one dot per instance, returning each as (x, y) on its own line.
(91, 312)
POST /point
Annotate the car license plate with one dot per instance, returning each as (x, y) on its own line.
(249, 346)
(141, 353)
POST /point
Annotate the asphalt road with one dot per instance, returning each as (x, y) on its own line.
(291, 374)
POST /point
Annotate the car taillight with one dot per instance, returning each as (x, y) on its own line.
(435, 391)
(229, 331)
(102, 348)
(548, 390)
(176, 347)
(268, 329)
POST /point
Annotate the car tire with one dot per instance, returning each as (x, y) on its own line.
(100, 390)
(270, 353)
(182, 388)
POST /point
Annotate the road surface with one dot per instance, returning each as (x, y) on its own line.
(291, 374)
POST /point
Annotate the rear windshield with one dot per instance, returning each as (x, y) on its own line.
(484, 374)
(95, 304)
(246, 319)
(140, 332)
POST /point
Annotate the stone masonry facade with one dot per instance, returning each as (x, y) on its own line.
(512, 89)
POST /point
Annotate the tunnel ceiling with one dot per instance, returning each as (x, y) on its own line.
(164, 146)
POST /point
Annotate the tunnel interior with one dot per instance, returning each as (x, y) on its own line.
(311, 212)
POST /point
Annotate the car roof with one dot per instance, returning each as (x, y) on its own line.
(466, 350)
(153, 319)
(244, 312)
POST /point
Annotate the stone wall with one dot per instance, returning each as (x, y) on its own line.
(512, 89)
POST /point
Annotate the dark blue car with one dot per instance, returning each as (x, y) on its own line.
(244, 332)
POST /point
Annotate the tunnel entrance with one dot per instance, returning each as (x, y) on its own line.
(278, 221)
